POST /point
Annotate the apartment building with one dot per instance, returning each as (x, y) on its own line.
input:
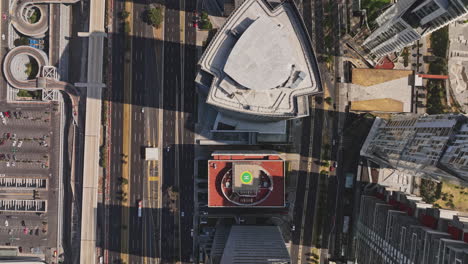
(430, 146)
(408, 20)
(393, 227)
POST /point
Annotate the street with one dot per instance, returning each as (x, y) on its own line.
(161, 87)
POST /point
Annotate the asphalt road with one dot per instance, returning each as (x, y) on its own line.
(177, 93)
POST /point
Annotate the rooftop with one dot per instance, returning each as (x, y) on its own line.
(255, 244)
(260, 63)
(245, 179)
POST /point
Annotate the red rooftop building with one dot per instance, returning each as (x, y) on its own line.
(246, 179)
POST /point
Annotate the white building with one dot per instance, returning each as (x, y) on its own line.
(422, 145)
(409, 20)
(259, 69)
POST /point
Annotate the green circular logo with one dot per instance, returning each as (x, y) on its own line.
(246, 177)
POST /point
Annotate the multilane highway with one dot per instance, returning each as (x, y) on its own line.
(161, 86)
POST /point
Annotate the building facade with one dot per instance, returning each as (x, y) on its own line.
(248, 244)
(430, 146)
(408, 20)
(393, 227)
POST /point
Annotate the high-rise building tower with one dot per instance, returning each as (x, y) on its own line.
(434, 146)
(409, 20)
(394, 227)
(248, 244)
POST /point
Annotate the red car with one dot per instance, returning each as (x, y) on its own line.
(7, 114)
(4, 16)
(332, 168)
(195, 24)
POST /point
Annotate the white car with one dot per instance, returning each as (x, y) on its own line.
(182, 214)
(3, 37)
(8, 164)
(6, 222)
(20, 143)
(14, 143)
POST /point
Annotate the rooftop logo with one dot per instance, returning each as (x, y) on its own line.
(246, 177)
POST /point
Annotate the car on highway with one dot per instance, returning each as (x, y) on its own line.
(140, 207)
(293, 228)
(168, 148)
(182, 214)
(335, 164)
(191, 232)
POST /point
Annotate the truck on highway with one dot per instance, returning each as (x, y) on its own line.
(140, 207)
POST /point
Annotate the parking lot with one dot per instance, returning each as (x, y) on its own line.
(29, 171)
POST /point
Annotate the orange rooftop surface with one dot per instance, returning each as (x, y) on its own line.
(246, 179)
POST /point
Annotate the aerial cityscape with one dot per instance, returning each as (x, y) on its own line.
(234, 131)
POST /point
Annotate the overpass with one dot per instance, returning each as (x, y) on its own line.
(21, 10)
(94, 86)
(12, 71)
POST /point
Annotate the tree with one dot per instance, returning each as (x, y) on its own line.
(124, 14)
(204, 15)
(22, 41)
(123, 180)
(155, 17)
(206, 24)
(127, 27)
(328, 100)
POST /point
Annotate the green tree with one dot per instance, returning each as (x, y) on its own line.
(328, 100)
(127, 27)
(22, 41)
(124, 14)
(204, 15)
(155, 17)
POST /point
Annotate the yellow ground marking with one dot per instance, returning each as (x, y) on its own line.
(127, 129)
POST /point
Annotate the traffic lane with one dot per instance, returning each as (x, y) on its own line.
(187, 206)
(136, 174)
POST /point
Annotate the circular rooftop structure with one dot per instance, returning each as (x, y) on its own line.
(246, 184)
(262, 58)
